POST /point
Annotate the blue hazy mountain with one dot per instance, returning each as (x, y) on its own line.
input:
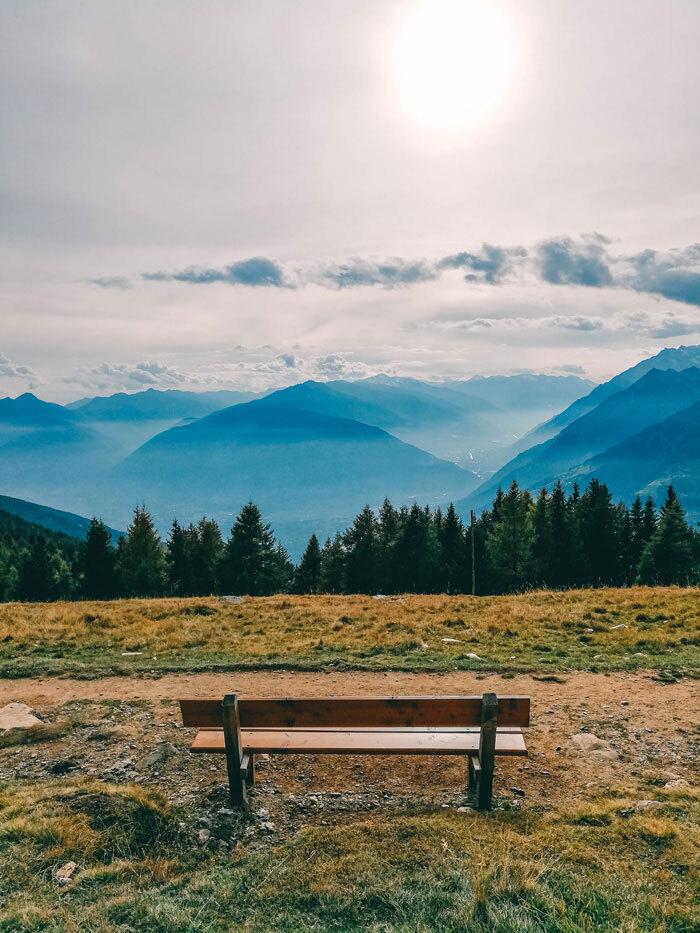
(467, 421)
(307, 470)
(66, 523)
(130, 419)
(653, 398)
(664, 453)
(45, 449)
(671, 358)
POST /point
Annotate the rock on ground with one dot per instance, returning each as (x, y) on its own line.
(593, 747)
(17, 716)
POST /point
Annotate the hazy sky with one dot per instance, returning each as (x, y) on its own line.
(253, 192)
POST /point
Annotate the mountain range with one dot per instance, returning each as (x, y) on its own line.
(311, 455)
(638, 432)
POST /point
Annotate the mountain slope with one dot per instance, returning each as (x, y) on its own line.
(128, 420)
(65, 523)
(45, 448)
(305, 469)
(664, 453)
(671, 358)
(654, 397)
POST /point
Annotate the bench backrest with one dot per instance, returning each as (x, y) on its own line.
(357, 712)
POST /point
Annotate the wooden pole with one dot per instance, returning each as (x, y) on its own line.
(487, 751)
(234, 750)
(473, 524)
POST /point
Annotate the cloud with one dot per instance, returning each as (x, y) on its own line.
(112, 281)
(391, 273)
(124, 376)
(12, 370)
(564, 262)
(491, 265)
(257, 272)
(570, 369)
(561, 261)
(674, 274)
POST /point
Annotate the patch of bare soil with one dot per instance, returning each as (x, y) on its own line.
(129, 730)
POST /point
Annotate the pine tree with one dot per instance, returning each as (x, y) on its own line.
(509, 544)
(598, 535)
(648, 521)
(561, 555)
(387, 533)
(637, 541)
(179, 554)
(626, 569)
(417, 554)
(36, 581)
(541, 541)
(333, 566)
(63, 582)
(253, 563)
(668, 557)
(208, 552)
(450, 532)
(361, 553)
(99, 581)
(308, 574)
(141, 566)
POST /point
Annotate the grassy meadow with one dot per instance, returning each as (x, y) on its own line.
(381, 845)
(598, 630)
(598, 865)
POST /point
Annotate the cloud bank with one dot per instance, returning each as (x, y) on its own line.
(587, 262)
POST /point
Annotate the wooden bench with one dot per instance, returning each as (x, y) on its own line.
(479, 728)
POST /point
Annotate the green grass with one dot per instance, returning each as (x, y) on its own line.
(591, 866)
(547, 632)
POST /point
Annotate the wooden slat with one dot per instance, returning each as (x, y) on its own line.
(303, 712)
(361, 742)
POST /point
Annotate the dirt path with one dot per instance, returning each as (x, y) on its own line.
(654, 728)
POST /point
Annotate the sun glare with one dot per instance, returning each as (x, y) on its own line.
(452, 63)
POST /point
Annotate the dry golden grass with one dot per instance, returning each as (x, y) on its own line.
(598, 865)
(605, 629)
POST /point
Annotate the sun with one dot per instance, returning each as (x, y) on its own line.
(452, 63)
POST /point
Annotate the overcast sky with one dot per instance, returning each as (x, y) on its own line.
(243, 193)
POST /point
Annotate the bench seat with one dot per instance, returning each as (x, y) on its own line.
(376, 741)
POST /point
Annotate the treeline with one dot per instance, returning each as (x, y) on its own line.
(555, 541)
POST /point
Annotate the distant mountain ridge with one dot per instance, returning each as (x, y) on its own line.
(65, 523)
(675, 358)
(304, 469)
(636, 439)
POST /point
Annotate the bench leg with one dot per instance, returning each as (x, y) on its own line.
(248, 769)
(481, 768)
(234, 751)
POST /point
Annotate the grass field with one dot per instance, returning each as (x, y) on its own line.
(575, 844)
(596, 630)
(597, 865)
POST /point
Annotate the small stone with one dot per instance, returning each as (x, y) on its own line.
(268, 827)
(64, 875)
(203, 835)
(678, 784)
(160, 754)
(518, 791)
(589, 744)
(624, 702)
(452, 641)
(645, 805)
(465, 809)
(17, 716)
(64, 766)
(473, 657)
(263, 813)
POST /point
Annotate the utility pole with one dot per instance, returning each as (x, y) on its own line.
(473, 524)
